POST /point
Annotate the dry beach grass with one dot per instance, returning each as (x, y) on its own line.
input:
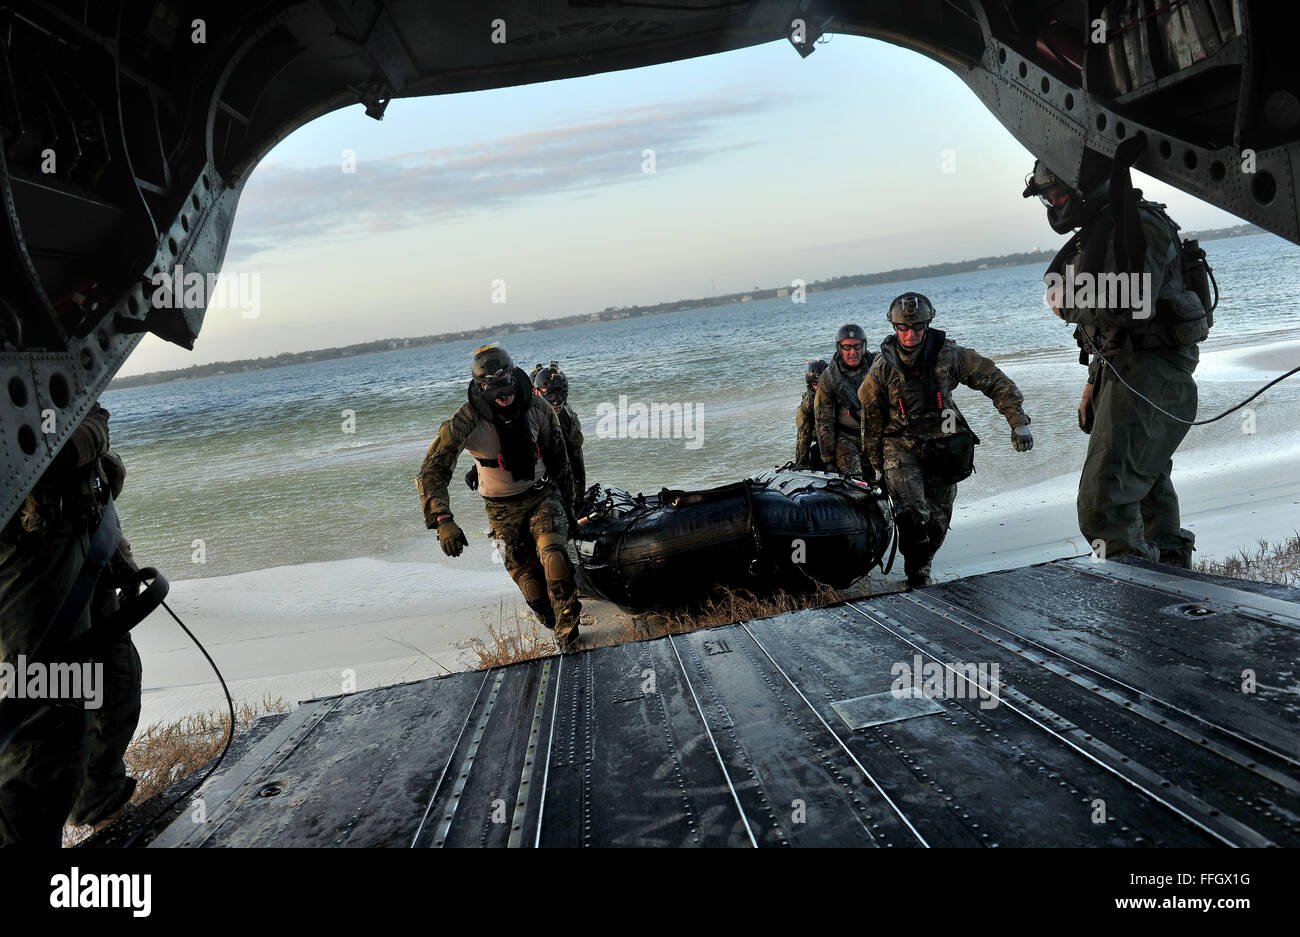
(1268, 562)
(163, 752)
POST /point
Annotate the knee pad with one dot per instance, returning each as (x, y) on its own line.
(909, 520)
(550, 550)
(533, 589)
(556, 565)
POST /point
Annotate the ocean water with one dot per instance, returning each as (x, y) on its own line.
(259, 468)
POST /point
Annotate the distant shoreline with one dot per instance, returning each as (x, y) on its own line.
(612, 313)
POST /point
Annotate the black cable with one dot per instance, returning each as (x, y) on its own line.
(121, 126)
(1179, 419)
(230, 736)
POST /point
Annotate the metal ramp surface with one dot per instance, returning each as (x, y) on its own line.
(1132, 705)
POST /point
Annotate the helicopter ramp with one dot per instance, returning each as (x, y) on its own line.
(1071, 703)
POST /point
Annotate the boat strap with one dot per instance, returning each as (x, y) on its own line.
(750, 520)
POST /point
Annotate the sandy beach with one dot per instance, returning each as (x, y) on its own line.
(318, 629)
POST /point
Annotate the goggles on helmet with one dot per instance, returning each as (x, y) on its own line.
(500, 383)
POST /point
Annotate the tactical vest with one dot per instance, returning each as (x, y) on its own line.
(946, 453)
(920, 395)
(848, 409)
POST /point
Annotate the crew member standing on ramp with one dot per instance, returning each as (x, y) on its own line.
(1140, 351)
(61, 760)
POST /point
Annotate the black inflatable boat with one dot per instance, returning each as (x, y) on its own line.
(783, 528)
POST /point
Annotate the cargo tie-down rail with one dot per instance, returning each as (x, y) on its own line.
(1130, 704)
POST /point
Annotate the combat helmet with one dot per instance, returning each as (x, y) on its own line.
(551, 383)
(1082, 202)
(911, 309)
(850, 330)
(814, 373)
(1040, 180)
(493, 371)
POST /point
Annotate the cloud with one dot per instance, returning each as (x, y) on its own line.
(284, 203)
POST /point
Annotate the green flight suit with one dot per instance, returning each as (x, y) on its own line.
(1126, 501)
(66, 764)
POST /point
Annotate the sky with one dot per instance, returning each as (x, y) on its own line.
(515, 204)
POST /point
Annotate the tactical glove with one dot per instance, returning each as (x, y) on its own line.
(1085, 410)
(451, 537)
(1022, 438)
(471, 477)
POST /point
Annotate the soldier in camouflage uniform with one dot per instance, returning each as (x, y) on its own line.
(65, 762)
(807, 454)
(912, 432)
(525, 481)
(1127, 502)
(836, 406)
(552, 386)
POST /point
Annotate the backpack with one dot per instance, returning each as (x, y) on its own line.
(1185, 300)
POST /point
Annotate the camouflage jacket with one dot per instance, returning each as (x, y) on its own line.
(573, 440)
(464, 430)
(836, 402)
(897, 400)
(1104, 326)
(805, 427)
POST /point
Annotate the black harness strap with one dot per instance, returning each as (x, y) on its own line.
(102, 545)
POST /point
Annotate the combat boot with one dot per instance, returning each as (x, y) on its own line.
(567, 635)
(568, 613)
(1179, 553)
(918, 577)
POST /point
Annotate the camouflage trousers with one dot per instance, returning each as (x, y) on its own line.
(534, 529)
(813, 460)
(65, 765)
(847, 457)
(1126, 498)
(922, 507)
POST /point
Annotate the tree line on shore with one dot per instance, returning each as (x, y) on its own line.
(611, 313)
